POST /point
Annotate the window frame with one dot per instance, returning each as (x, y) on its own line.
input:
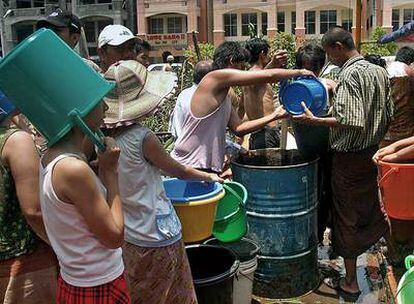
(281, 26)
(245, 26)
(310, 23)
(232, 27)
(328, 23)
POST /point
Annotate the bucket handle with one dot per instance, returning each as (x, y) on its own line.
(241, 205)
(386, 175)
(408, 261)
(96, 138)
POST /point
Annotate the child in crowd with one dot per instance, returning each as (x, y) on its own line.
(83, 218)
(154, 253)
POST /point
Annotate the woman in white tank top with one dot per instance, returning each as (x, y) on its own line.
(83, 219)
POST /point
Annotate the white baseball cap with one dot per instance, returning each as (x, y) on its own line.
(115, 34)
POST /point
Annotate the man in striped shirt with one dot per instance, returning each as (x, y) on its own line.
(362, 111)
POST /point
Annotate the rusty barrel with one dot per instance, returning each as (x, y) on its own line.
(282, 218)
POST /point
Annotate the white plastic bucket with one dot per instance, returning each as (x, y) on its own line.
(246, 251)
(243, 283)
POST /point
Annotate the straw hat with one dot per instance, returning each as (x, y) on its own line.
(137, 92)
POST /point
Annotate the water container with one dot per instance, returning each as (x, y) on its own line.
(282, 218)
(230, 224)
(213, 269)
(395, 183)
(246, 251)
(52, 86)
(307, 89)
(6, 107)
(405, 289)
(196, 205)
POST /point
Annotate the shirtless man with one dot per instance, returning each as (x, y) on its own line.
(257, 100)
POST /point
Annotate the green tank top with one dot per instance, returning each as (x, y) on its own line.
(16, 237)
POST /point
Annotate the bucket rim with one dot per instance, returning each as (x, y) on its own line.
(304, 164)
(214, 199)
(221, 277)
(216, 191)
(398, 165)
(254, 252)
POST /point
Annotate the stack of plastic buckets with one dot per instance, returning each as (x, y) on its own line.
(52, 86)
(195, 204)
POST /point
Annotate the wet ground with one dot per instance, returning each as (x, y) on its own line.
(377, 280)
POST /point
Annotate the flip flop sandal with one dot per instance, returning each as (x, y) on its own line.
(334, 283)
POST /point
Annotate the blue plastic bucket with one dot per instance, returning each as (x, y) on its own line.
(307, 89)
(52, 86)
(181, 191)
(6, 107)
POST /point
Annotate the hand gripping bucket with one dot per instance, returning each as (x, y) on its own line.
(52, 86)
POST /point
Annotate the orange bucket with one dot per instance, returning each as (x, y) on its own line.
(396, 182)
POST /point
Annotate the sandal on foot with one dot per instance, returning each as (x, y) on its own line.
(335, 283)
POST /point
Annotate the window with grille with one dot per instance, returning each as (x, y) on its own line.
(310, 18)
(247, 20)
(156, 26)
(327, 20)
(347, 24)
(281, 21)
(174, 24)
(230, 25)
(293, 23)
(395, 19)
(264, 23)
(408, 15)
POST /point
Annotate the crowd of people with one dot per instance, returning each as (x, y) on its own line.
(80, 226)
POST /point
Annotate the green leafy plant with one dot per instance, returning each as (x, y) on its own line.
(284, 41)
(373, 47)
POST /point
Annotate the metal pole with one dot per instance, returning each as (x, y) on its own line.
(358, 25)
(2, 29)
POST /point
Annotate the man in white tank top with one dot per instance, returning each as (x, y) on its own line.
(202, 142)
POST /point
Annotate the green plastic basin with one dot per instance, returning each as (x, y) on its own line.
(405, 289)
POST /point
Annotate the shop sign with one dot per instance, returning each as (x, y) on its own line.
(167, 39)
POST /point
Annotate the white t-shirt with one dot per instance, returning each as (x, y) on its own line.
(149, 217)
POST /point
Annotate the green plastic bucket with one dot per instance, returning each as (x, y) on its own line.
(230, 224)
(52, 86)
(405, 289)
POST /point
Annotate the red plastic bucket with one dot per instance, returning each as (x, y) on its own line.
(396, 182)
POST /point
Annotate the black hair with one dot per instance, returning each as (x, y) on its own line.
(405, 54)
(256, 46)
(229, 51)
(311, 53)
(201, 69)
(141, 46)
(338, 34)
(377, 60)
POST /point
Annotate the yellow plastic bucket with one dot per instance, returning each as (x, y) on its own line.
(197, 218)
